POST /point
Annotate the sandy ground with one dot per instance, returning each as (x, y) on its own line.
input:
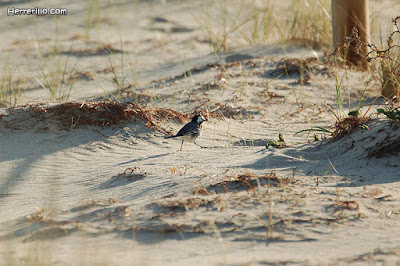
(76, 193)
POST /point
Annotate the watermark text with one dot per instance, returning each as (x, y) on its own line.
(38, 11)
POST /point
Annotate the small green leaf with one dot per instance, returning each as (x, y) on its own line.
(314, 129)
(271, 143)
(281, 138)
(354, 113)
(390, 112)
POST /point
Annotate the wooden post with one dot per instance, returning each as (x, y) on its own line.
(347, 14)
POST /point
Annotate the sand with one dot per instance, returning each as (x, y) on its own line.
(115, 192)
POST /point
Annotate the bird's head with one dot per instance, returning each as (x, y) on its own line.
(198, 119)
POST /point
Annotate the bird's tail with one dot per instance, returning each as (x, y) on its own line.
(168, 137)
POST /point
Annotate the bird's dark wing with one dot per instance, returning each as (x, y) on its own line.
(189, 129)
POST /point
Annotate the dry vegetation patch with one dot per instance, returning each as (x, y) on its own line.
(93, 217)
(375, 257)
(293, 66)
(94, 49)
(68, 116)
(249, 181)
(348, 125)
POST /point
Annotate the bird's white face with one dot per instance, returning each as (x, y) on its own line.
(200, 119)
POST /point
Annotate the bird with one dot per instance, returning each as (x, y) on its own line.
(191, 131)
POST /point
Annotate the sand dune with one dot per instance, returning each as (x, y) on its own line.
(93, 181)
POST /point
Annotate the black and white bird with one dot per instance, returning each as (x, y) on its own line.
(191, 131)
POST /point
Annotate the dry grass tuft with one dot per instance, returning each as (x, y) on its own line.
(249, 181)
(91, 217)
(377, 256)
(170, 228)
(183, 205)
(293, 66)
(341, 205)
(348, 125)
(71, 115)
(388, 58)
(36, 217)
(227, 24)
(79, 75)
(303, 69)
(94, 50)
(130, 174)
(40, 217)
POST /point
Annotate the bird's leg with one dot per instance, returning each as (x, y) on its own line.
(198, 145)
(181, 145)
